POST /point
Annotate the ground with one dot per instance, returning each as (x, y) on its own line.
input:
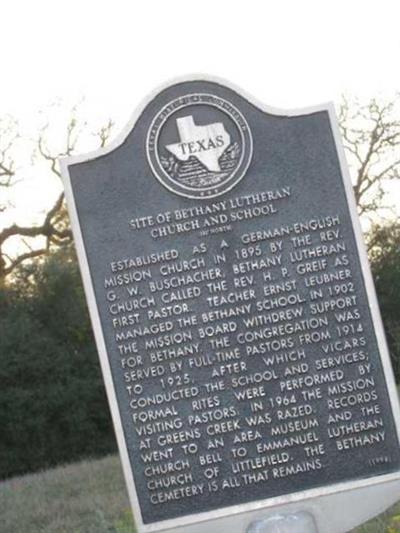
(90, 497)
(86, 497)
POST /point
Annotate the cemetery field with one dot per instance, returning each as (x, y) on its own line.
(90, 497)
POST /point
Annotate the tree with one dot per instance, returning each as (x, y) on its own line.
(8, 135)
(384, 246)
(54, 228)
(52, 402)
(371, 138)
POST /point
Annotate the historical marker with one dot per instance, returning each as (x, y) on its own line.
(235, 315)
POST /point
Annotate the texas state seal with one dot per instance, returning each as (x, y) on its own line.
(199, 145)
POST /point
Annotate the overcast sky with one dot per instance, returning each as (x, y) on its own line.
(286, 53)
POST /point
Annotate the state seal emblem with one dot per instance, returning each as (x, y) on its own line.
(199, 145)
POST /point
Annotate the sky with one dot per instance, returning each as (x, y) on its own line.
(287, 53)
(107, 56)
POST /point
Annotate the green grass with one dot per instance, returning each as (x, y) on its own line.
(85, 497)
(388, 522)
(90, 497)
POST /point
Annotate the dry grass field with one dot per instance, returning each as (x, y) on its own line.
(90, 497)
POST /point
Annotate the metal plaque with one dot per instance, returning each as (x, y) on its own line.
(233, 309)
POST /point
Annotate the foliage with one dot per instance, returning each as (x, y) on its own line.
(52, 402)
(384, 245)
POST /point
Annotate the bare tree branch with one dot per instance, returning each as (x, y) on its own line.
(54, 227)
(104, 133)
(20, 259)
(371, 138)
(8, 135)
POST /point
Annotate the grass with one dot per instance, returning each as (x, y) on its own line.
(90, 497)
(388, 522)
(85, 497)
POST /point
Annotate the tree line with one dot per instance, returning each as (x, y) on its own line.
(52, 399)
